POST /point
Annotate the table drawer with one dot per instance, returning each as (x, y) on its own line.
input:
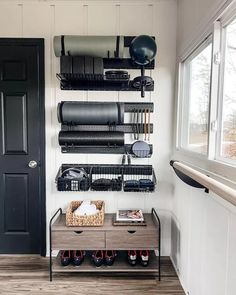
(74, 240)
(125, 240)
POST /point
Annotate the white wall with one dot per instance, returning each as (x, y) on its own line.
(203, 241)
(203, 225)
(48, 18)
(193, 18)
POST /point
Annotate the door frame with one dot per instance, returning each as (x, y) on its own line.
(39, 43)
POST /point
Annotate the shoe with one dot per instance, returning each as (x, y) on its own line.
(109, 257)
(132, 257)
(65, 256)
(98, 258)
(78, 257)
(144, 256)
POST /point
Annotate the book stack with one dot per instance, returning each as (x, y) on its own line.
(129, 217)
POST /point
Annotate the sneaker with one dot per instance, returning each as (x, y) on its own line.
(132, 257)
(109, 257)
(65, 256)
(144, 255)
(97, 258)
(78, 257)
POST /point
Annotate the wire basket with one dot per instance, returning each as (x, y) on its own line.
(139, 178)
(106, 178)
(130, 178)
(73, 183)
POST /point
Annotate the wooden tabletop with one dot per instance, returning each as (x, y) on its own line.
(151, 224)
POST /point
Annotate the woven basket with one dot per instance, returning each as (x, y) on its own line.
(91, 220)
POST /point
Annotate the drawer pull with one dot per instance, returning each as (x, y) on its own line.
(78, 232)
(131, 231)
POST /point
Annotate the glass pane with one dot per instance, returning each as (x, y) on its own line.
(197, 106)
(228, 139)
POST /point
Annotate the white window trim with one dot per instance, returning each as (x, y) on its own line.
(213, 105)
(218, 156)
(183, 117)
(221, 167)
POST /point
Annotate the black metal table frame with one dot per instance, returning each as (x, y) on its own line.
(159, 242)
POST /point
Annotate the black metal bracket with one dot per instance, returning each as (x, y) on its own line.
(126, 128)
(186, 179)
(127, 148)
(159, 242)
(50, 241)
(131, 107)
(70, 82)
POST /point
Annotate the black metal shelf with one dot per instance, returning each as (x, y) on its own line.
(131, 107)
(125, 63)
(127, 148)
(75, 82)
(126, 128)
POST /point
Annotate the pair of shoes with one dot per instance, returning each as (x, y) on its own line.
(76, 257)
(107, 257)
(143, 255)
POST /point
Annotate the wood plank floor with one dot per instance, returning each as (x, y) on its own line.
(29, 275)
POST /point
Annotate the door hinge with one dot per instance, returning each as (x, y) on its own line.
(217, 58)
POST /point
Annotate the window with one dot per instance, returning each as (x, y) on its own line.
(227, 110)
(207, 98)
(196, 82)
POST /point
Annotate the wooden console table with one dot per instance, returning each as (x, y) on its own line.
(106, 237)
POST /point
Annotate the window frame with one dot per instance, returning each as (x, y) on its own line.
(182, 136)
(223, 167)
(219, 135)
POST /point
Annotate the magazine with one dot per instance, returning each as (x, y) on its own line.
(129, 215)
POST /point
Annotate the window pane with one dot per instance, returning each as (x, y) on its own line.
(228, 139)
(198, 71)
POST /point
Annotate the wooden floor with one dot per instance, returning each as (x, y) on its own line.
(29, 275)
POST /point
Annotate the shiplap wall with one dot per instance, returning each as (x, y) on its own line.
(203, 225)
(203, 241)
(48, 18)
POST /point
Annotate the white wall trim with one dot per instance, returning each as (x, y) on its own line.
(179, 275)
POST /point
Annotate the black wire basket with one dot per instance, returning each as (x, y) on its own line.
(96, 177)
(139, 178)
(106, 178)
(76, 183)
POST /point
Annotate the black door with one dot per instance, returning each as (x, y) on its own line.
(22, 203)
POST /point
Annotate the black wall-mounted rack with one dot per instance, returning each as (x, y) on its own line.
(130, 128)
(129, 107)
(66, 65)
(70, 79)
(126, 128)
(127, 148)
(69, 82)
(130, 178)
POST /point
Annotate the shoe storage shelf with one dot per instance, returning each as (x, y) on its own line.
(106, 237)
